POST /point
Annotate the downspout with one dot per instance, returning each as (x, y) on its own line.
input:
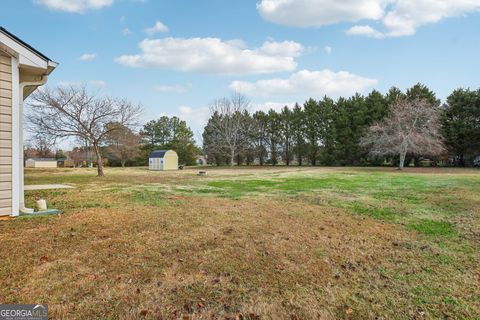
(24, 84)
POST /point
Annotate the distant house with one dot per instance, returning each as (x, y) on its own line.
(41, 163)
(22, 70)
(163, 160)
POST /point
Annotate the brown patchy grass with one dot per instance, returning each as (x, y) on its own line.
(131, 246)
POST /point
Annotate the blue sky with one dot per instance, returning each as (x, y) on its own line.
(275, 51)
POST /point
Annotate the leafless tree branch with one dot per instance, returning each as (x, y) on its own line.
(73, 112)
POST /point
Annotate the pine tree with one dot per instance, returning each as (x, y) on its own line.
(312, 134)
(461, 125)
(286, 131)
(298, 133)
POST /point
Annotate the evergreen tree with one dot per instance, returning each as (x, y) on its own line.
(286, 132)
(169, 133)
(461, 125)
(258, 135)
(298, 133)
(420, 91)
(343, 131)
(183, 143)
(212, 142)
(377, 108)
(274, 135)
(311, 113)
(327, 130)
(393, 95)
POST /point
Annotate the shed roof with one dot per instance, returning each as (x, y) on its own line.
(42, 159)
(158, 154)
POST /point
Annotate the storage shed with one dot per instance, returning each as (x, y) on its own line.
(41, 163)
(163, 160)
(22, 70)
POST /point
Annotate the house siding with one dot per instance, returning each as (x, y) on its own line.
(5, 135)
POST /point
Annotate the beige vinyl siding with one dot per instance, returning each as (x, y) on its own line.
(5, 135)
(4, 194)
(5, 152)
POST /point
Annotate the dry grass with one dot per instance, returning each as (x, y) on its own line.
(137, 245)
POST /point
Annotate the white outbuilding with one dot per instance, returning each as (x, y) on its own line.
(41, 163)
(163, 160)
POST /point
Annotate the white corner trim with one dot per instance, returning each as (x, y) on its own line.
(26, 56)
(16, 127)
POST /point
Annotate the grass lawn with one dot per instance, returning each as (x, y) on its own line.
(249, 243)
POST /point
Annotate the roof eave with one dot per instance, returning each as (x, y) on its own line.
(26, 54)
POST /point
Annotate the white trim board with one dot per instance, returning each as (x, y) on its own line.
(16, 152)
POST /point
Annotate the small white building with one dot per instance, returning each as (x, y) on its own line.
(41, 163)
(163, 160)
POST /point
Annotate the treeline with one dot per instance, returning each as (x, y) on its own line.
(127, 148)
(170, 133)
(328, 132)
(104, 127)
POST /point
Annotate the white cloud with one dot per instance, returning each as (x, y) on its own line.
(185, 110)
(327, 49)
(173, 88)
(157, 27)
(100, 84)
(196, 119)
(407, 15)
(315, 13)
(215, 56)
(88, 56)
(398, 17)
(126, 32)
(364, 31)
(76, 6)
(68, 84)
(286, 48)
(308, 83)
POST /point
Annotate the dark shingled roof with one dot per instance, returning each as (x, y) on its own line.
(158, 154)
(23, 43)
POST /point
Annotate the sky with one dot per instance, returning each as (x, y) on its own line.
(175, 57)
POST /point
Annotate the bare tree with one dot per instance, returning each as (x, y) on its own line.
(73, 112)
(412, 127)
(124, 144)
(228, 122)
(39, 146)
(78, 155)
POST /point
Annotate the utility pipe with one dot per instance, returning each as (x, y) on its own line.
(24, 84)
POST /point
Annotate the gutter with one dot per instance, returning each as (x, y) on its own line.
(24, 84)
